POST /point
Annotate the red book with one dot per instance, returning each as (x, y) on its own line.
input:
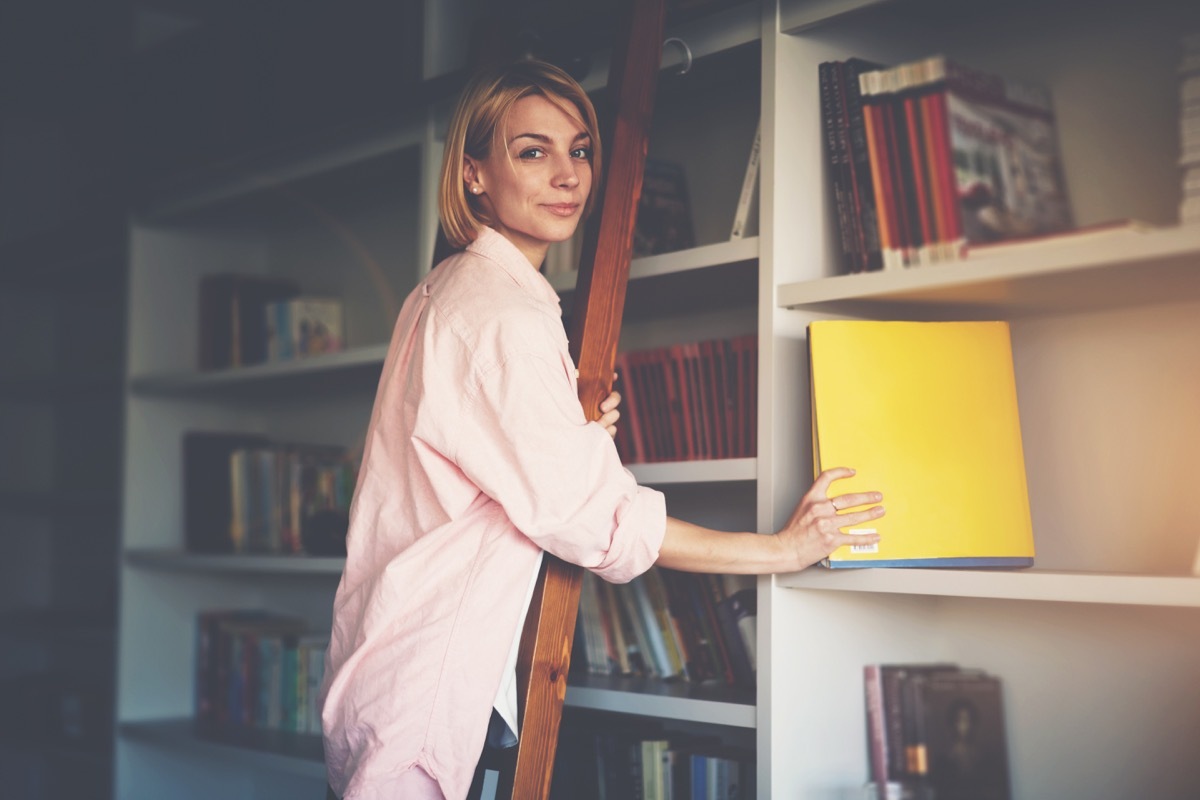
(906, 237)
(916, 157)
(682, 418)
(629, 430)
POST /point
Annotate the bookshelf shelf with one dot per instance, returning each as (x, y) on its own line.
(235, 564)
(725, 470)
(273, 750)
(360, 363)
(1088, 272)
(705, 256)
(654, 698)
(1178, 591)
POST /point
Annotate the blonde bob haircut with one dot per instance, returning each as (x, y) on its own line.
(477, 126)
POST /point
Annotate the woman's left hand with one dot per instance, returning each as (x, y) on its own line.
(609, 413)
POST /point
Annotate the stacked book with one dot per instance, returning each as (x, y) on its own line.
(689, 402)
(1189, 129)
(257, 669)
(246, 494)
(935, 731)
(617, 761)
(669, 625)
(931, 157)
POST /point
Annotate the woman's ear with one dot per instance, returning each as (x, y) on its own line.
(470, 175)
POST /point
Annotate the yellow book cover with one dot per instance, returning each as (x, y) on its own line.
(925, 412)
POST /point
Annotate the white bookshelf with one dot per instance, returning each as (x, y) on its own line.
(355, 218)
(1103, 326)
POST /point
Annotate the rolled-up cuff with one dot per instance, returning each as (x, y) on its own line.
(637, 539)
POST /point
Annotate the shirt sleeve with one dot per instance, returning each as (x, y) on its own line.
(524, 440)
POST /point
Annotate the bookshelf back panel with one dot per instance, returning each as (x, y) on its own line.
(712, 147)
(1082, 683)
(1109, 425)
(724, 506)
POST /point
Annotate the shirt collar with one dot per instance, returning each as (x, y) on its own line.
(494, 246)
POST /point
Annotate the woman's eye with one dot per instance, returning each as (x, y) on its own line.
(533, 152)
(584, 153)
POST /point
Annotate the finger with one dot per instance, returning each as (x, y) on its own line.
(612, 431)
(859, 517)
(855, 539)
(843, 501)
(820, 487)
(611, 402)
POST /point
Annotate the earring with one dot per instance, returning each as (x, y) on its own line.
(476, 189)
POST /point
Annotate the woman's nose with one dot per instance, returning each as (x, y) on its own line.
(567, 174)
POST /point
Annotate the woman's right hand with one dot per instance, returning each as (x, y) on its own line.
(814, 530)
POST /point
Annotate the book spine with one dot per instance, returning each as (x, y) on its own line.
(876, 131)
(830, 77)
(749, 185)
(920, 189)
(860, 165)
(897, 144)
(876, 728)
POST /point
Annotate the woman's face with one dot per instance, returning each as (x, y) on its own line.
(535, 182)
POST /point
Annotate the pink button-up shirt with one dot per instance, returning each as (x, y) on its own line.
(478, 457)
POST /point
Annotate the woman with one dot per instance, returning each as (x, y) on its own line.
(479, 458)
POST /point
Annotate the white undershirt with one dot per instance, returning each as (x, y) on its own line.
(506, 697)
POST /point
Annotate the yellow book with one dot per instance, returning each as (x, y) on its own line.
(925, 412)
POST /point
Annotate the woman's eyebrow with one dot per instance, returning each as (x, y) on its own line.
(543, 138)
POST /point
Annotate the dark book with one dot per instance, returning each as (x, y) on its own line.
(207, 499)
(861, 184)
(735, 643)
(893, 678)
(963, 724)
(836, 163)
(233, 319)
(664, 214)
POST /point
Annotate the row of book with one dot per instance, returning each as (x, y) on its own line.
(689, 402)
(935, 731)
(930, 157)
(250, 319)
(258, 669)
(244, 493)
(630, 763)
(670, 625)
(1189, 128)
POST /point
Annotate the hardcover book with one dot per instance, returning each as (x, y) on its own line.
(926, 413)
(664, 214)
(960, 157)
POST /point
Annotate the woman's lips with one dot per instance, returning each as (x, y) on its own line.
(562, 209)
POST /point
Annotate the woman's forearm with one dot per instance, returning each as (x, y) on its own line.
(691, 548)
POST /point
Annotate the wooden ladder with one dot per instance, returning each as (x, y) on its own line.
(595, 327)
